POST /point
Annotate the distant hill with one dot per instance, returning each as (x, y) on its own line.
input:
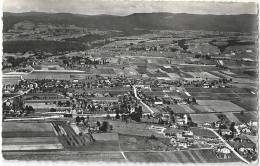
(158, 21)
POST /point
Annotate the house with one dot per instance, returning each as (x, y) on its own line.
(183, 145)
(187, 134)
(226, 132)
(223, 153)
(206, 85)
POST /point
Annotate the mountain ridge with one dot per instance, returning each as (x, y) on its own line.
(149, 21)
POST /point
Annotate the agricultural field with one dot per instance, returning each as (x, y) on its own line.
(177, 108)
(231, 94)
(79, 156)
(141, 143)
(246, 116)
(202, 118)
(138, 129)
(247, 102)
(203, 133)
(197, 68)
(29, 136)
(26, 127)
(204, 75)
(108, 71)
(220, 105)
(192, 156)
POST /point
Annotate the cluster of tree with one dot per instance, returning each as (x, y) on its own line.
(137, 114)
(16, 61)
(81, 119)
(104, 127)
(45, 46)
(87, 38)
(66, 104)
(29, 109)
(17, 111)
(202, 56)
(190, 100)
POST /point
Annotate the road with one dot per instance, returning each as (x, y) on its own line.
(230, 147)
(135, 93)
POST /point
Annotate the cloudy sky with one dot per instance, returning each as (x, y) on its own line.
(126, 7)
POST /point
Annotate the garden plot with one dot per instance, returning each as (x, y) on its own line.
(220, 105)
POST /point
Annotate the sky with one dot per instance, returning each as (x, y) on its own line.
(126, 7)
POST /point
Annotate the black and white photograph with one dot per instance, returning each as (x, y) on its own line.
(130, 81)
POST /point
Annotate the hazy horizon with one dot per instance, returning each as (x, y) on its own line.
(123, 8)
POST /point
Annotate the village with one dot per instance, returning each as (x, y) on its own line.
(72, 91)
(103, 99)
